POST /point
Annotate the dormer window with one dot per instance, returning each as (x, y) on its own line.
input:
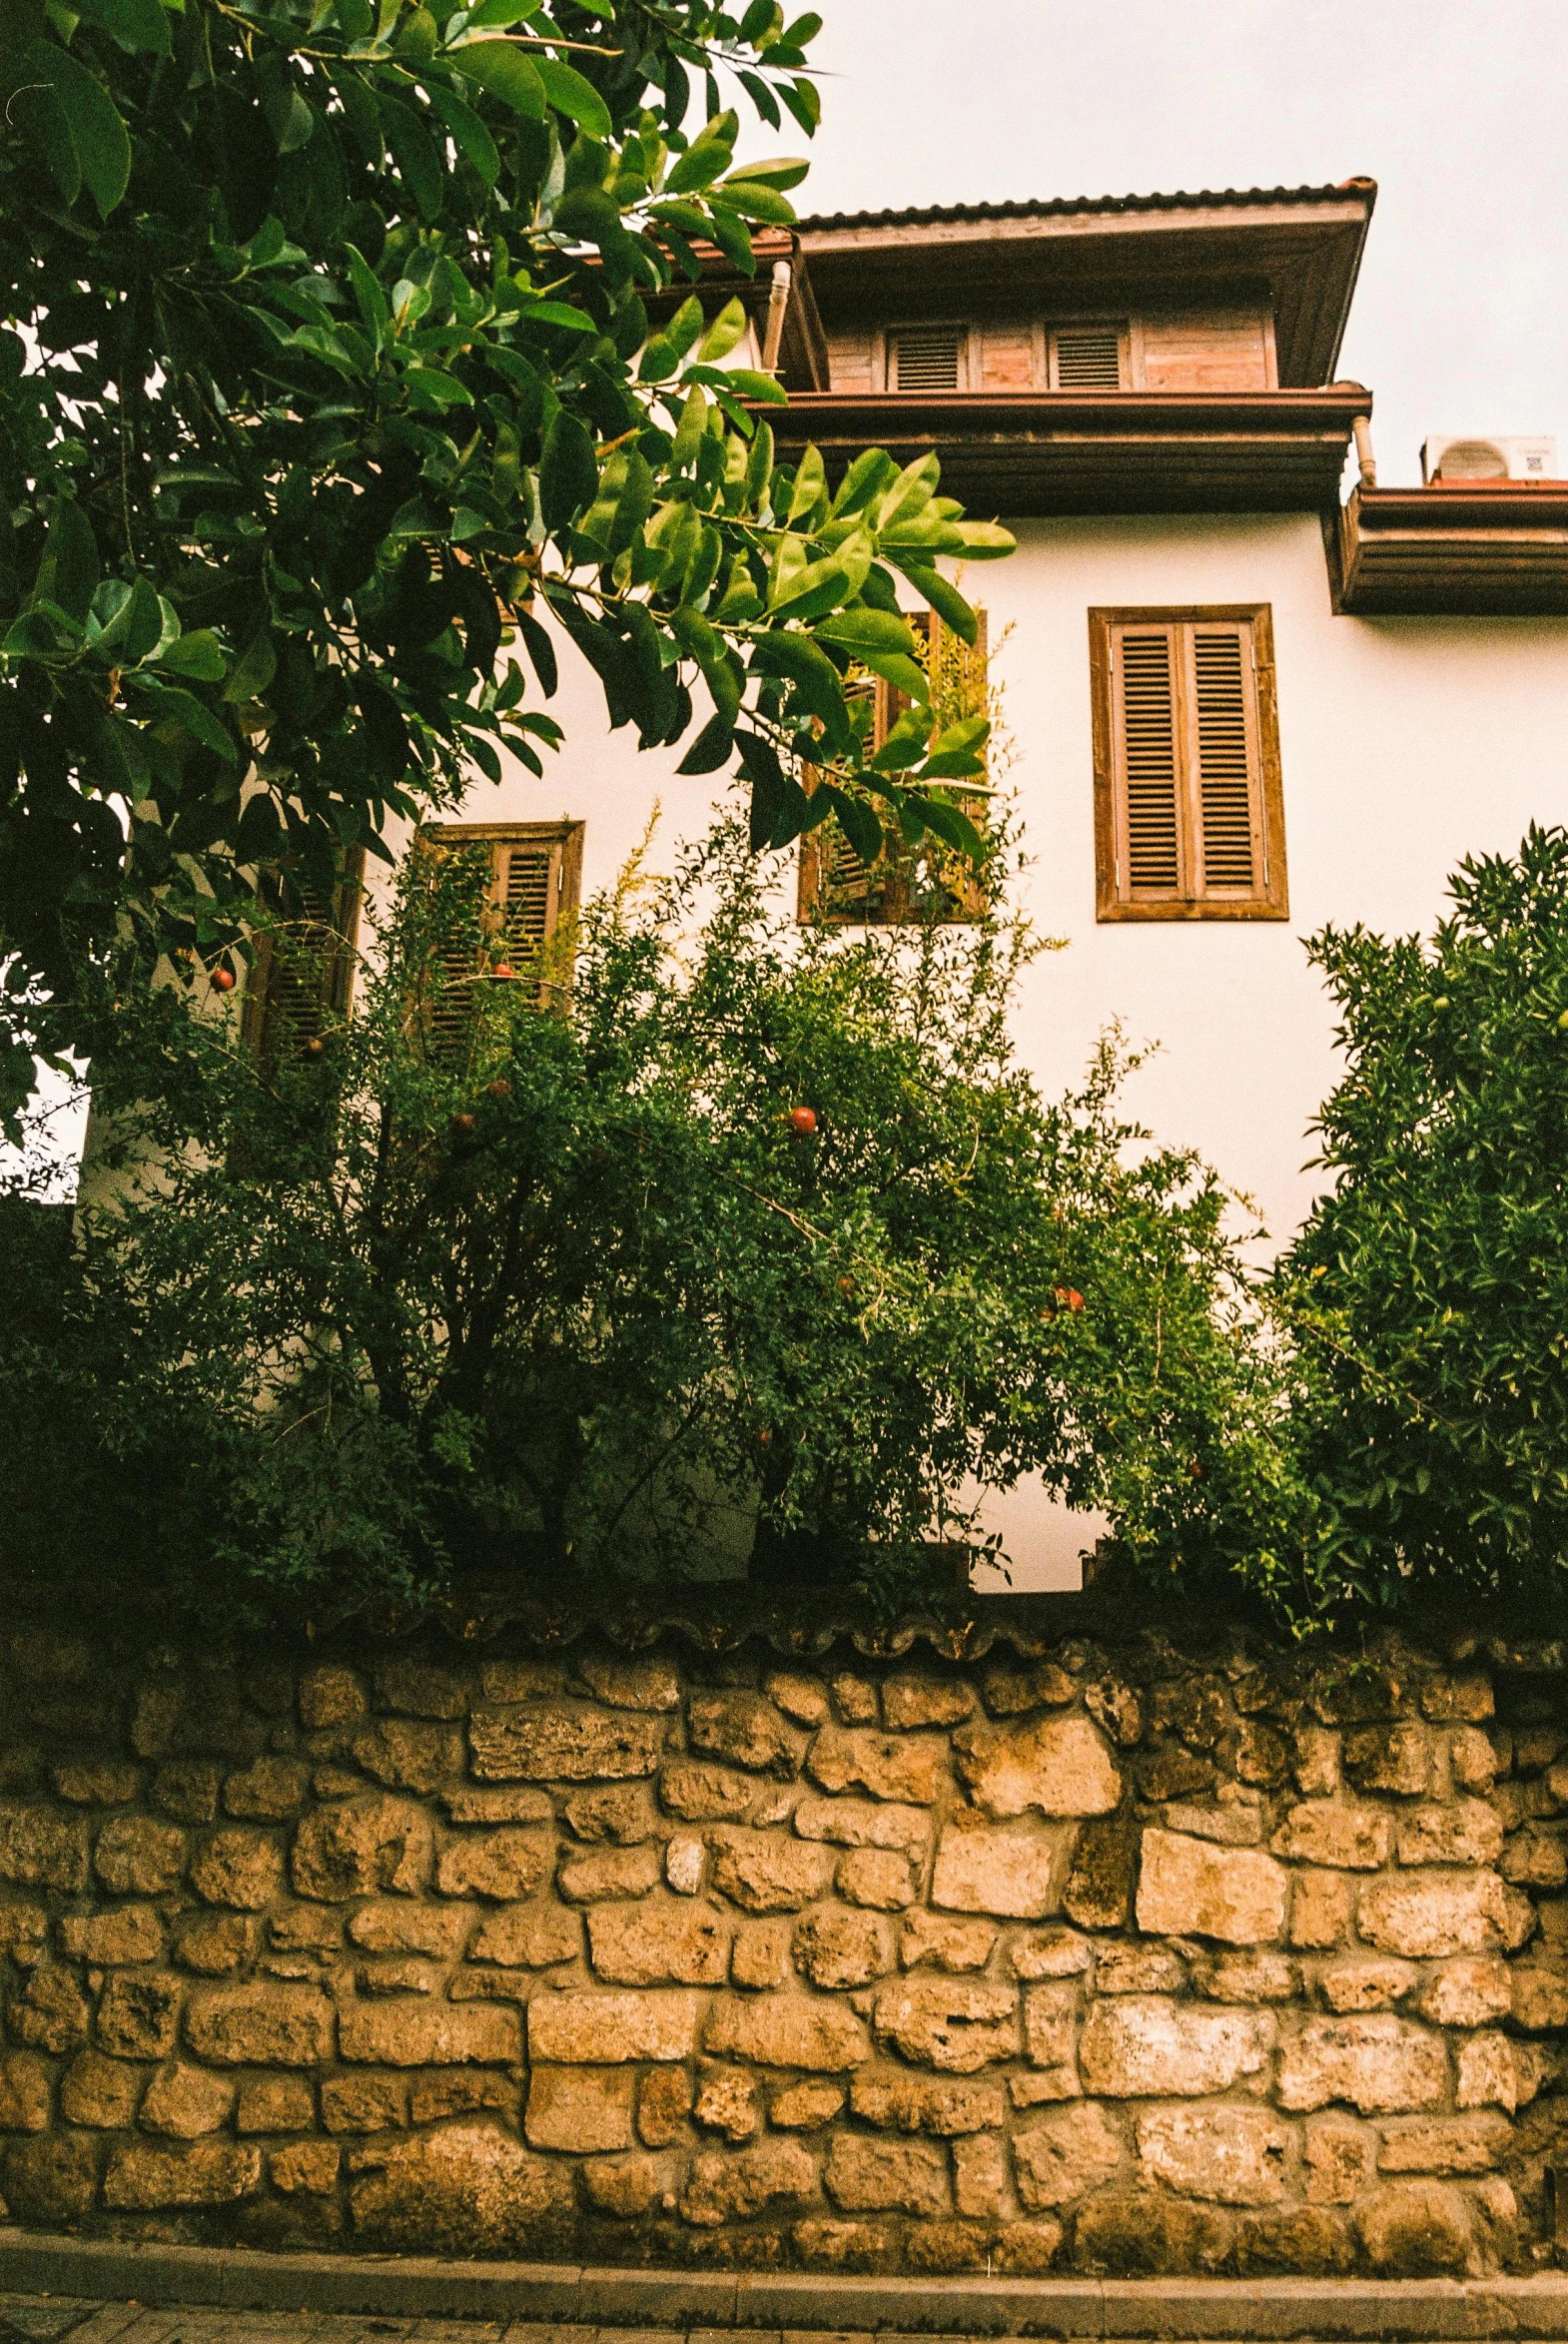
(1090, 357)
(928, 358)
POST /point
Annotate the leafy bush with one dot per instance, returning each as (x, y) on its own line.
(461, 1284)
(1429, 1289)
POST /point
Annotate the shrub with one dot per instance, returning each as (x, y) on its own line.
(1429, 1288)
(561, 1289)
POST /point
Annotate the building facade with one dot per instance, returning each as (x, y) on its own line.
(1242, 703)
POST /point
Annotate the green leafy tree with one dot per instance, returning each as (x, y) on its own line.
(738, 1257)
(329, 371)
(1429, 1288)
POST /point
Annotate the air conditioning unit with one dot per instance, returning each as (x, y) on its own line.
(1472, 456)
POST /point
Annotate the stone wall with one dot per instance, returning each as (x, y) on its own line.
(1095, 1953)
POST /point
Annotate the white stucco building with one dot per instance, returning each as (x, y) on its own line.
(1243, 705)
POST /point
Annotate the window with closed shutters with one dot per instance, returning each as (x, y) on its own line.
(528, 878)
(301, 968)
(928, 358)
(1091, 356)
(906, 885)
(1189, 819)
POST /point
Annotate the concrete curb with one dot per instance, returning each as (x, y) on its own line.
(1262, 2311)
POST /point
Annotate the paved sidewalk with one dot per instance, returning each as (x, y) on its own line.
(50, 2319)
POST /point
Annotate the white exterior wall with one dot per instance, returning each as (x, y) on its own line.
(1405, 744)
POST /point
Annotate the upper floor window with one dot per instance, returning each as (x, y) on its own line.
(1189, 811)
(904, 886)
(928, 358)
(1089, 357)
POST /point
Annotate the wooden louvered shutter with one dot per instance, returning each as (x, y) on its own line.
(1087, 358)
(904, 883)
(1144, 673)
(302, 970)
(928, 358)
(1226, 782)
(1189, 815)
(530, 892)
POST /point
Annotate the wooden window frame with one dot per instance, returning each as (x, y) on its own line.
(260, 1007)
(564, 835)
(813, 904)
(1112, 900)
(968, 354)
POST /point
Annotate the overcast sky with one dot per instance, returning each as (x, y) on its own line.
(1457, 108)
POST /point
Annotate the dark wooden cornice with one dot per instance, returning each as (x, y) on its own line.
(1017, 454)
(1461, 548)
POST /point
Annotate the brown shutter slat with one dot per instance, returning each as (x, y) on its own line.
(526, 886)
(1226, 757)
(1148, 775)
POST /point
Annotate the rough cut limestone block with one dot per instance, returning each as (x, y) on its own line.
(139, 2015)
(1065, 2156)
(1011, 1869)
(876, 1877)
(588, 2030)
(721, 2188)
(590, 1875)
(1145, 2047)
(835, 1949)
(1187, 1887)
(586, 2109)
(910, 1767)
(745, 1730)
(1377, 2064)
(1348, 1839)
(699, 1793)
(558, 1742)
(787, 2030)
(1057, 1765)
(464, 2189)
(261, 2026)
(764, 1872)
(649, 1682)
(897, 2103)
(1471, 1991)
(864, 1823)
(362, 1847)
(957, 2026)
(211, 2172)
(400, 2032)
(504, 1865)
(947, 1945)
(186, 2102)
(887, 2176)
(1452, 2145)
(39, 1849)
(1230, 2156)
(911, 1699)
(136, 1857)
(1368, 1985)
(659, 1944)
(131, 1934)
(1441, 1913)
(1465, 1833)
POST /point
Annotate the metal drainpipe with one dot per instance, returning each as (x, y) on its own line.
(778, 303)
(1363, 427)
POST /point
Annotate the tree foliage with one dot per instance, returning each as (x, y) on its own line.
(1429, 1288)
(454, 1283)
(330, 370)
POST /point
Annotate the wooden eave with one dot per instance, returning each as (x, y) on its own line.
(1464, 549)
(1018, 455)
(803, 352)
(1301, 257)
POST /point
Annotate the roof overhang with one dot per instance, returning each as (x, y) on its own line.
(1466, 549)
(1017, 454)
(1300, 248)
